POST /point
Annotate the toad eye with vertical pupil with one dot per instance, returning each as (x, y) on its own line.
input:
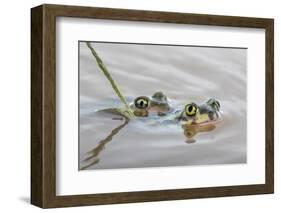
(190, 109)
(142, 102)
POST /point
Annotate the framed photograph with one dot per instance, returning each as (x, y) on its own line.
(135, 106)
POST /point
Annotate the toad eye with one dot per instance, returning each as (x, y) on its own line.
(142, 102)
(191, 109)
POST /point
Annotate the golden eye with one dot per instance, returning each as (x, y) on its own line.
(190, 109)
(142, 102)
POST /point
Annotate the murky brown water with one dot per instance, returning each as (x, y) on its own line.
(184, 74)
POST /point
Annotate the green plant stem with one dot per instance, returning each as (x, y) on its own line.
(113, 84)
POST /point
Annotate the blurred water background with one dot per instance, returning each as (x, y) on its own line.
(184, 74)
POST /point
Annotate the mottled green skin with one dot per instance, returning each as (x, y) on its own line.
(207, 112)
(158, 104)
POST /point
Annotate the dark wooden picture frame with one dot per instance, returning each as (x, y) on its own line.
(43, 105)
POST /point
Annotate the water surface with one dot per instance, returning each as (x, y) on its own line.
(184, 74)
